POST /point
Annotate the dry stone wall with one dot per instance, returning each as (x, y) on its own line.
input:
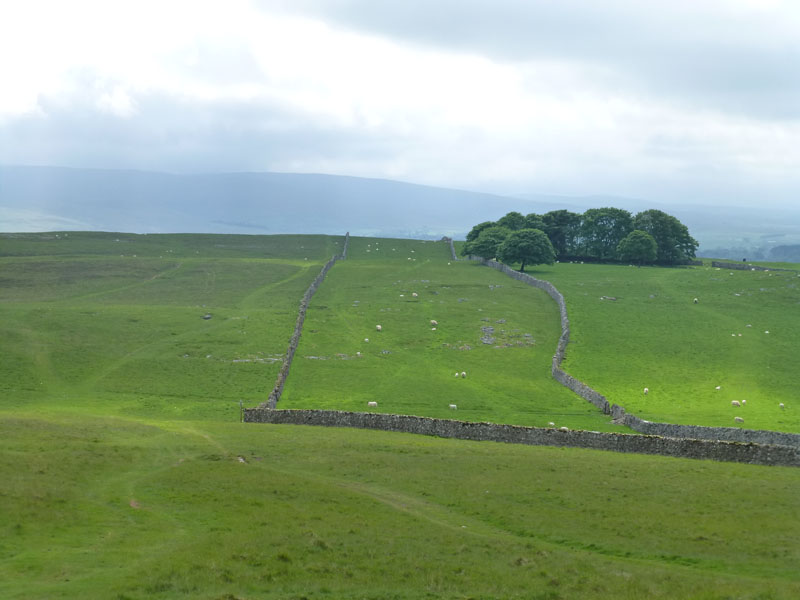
(732, 434)
(514, 434)
(275, 394)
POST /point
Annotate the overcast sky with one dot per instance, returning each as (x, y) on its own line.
(679, 101)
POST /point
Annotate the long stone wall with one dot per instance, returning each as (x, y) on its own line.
(772, 455)
(280, 381)
(449, 241)
(732, 434)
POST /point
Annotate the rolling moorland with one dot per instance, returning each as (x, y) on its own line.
(127, 474)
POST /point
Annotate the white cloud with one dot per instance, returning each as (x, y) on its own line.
(515, 96)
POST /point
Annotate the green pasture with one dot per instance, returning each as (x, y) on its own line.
(126, 474)
(654, 335)
(409, 366)
(126, 334)
(110, 507)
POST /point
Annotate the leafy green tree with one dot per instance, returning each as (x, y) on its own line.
(487, 243)
(675, 245)
(534, 221)
(602, 229)
(527, 246)
(638, 247)
(563, 229)
(476, 231)
(513, 221)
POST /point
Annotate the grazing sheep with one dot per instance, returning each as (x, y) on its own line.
(735, 403)
(434, 322)
(738, 419)
(781, 406)
(646, 391)
(366, 339)
(457, 373)
(563, 428)
(378, 328)
(463, 373)
(744, 402)
(718, 387)
(372, 404)
(358, 353)
(433, 328)
(696, 300)
(414, 294)
(551, 424)
(453, 407)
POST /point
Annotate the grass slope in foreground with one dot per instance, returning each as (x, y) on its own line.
(499, 331)
(653, 335)
(134, 509)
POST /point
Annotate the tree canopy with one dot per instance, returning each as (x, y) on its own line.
(527, 246)
(673, 239)
(638, 247)
(487, 244)
(597, 234)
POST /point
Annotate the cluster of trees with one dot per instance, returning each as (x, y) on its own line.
(599, 234)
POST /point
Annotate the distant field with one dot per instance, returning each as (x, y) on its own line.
(654, 336)
(121, 451)
(409, 366)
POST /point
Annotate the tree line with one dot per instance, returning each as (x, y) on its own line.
(599, 234)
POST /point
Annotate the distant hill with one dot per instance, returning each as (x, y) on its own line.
(56, 198)
(53, 198)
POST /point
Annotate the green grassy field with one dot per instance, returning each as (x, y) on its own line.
(409, 366)
(126, 474)
(654, 336)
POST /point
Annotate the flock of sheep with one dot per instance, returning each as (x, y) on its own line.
(734, 403)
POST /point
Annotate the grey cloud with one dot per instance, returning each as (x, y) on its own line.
(685, 52)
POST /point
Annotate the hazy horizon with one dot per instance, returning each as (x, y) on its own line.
(677, 104)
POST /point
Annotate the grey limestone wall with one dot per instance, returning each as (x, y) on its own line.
(513, 434)
(742, 266)
(449, 241)
(280, 381)
(732, 434)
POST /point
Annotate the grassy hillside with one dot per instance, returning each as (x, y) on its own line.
(653, 335)
(500, 332)
(120, 508)
(125, 333)
(127, 475)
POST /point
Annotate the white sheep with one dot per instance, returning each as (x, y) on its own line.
(781, 406)
(414, 294)
(378, 328)
(735, 403)
(551, 424)
(463, 374)
(433, 328)
(738, 419)
(696, 300)
(372, 404)
(646, 391)
(457, 373)
(358, 353)
(563, 428)
(744, 402)
(718, 387)
(434, 322)
(366, 339)
(453, 407)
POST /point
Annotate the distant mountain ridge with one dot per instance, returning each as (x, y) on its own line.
(47, 198)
